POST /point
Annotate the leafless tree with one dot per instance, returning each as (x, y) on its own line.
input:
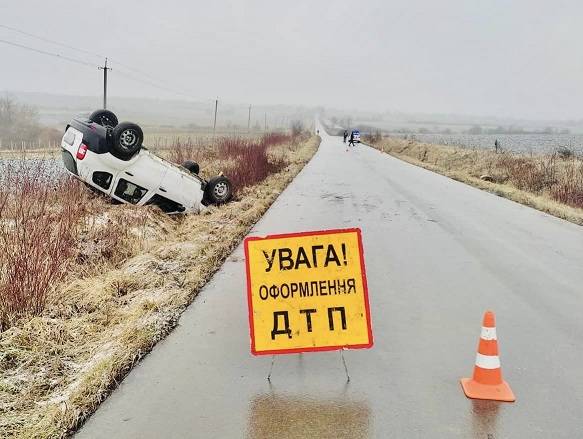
(18, 122)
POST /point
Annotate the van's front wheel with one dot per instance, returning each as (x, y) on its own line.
(218, 190)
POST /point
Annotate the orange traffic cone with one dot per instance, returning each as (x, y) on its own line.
(487, 382)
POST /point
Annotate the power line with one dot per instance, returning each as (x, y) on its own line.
(78, 61)
(113, 60)
(153, 84)
(44, 52)
(47, 40)
(151, 80)
(133, 69)
(58, 43)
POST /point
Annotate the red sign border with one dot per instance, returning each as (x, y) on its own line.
(308, 349)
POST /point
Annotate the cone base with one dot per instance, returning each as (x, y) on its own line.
(497, 392)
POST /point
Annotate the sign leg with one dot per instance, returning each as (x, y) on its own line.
(344, 363)
(271, 368)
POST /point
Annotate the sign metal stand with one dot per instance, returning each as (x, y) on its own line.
(344, 363)
(341, 356)
(271, 368)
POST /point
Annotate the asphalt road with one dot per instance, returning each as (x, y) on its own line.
(438, 254)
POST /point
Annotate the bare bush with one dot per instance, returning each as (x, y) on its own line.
(37, 235)
(297, 127)
(564, 152)
(188, 149)
(569, 189)
(250, 160)
(245, 161)
(522, 172)
(534, 174)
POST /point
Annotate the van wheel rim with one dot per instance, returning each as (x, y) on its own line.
(128, 138)
(221, 189)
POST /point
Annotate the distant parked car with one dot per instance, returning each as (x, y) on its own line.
(109, 157)
(356, 135)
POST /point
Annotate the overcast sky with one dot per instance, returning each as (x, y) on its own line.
(512, 58)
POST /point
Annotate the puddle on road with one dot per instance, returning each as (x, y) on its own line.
(289, 416)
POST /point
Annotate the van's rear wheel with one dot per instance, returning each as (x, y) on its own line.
(218, 190)
(127, 138)
(105, 118)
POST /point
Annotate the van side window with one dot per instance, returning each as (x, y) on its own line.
(102, 179)
(130, 192)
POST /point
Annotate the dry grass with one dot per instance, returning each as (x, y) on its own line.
(550, 183)
(56, 368)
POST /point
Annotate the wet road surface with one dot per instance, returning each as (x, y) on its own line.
(438, 254)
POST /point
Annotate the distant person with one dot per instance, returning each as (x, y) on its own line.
(318, 132)
(345, 135)
(351, 141)
(496, 145)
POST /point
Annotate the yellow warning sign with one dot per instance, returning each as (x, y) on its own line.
(307, 292)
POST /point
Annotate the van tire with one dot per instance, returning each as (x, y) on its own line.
(126, 139)
(191, 166)
(105, 118)
(218, 190)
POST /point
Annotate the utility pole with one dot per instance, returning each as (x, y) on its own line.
(105, 69)
(215, 123)
(249, 121)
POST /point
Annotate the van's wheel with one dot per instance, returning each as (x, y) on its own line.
(218, 190)
(191, 166)
(127, 138)
(105, 118)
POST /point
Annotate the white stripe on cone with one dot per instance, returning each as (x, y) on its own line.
(488, 333)
(487, 361)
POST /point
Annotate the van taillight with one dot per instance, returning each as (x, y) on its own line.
(82, 151)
